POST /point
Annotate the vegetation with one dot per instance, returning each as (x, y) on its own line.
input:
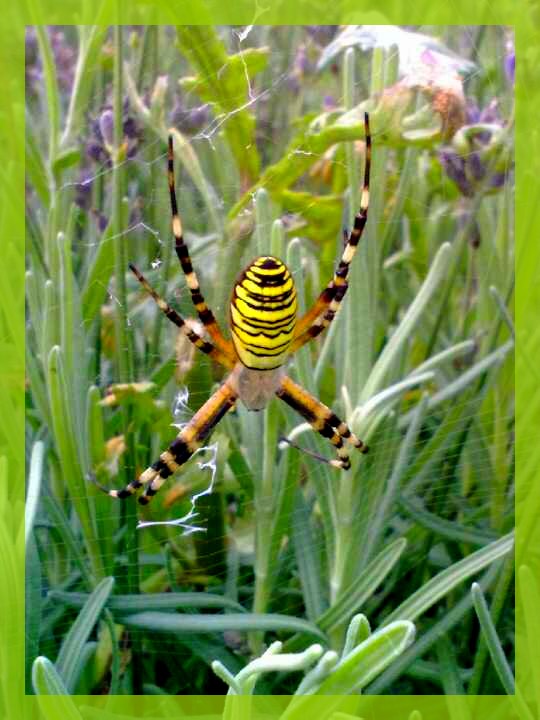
(289, 576)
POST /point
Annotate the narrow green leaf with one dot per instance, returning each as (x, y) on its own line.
(491, 361)
(224, 81)
(51, 87)
(91, 45)
(71, 655)
(448, 579)
(33, 492)
(390, 354)
(425, 641)
(263, 222)
(150, 601)
(33, 607)
(450, 529)
(358, 631)
(174, 623)
(362, 665)
(448, 670)
(47, 681)
(361, 590)
(96, 284)
(34, 165)
(305, 549)
(494, 646)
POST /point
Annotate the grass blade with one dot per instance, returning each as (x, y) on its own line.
(494, 646)
(356, 595)
(448, 579)
(150, 601)
(389, 355)
(68, 662)
(174, 623)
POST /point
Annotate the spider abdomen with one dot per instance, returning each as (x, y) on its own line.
(263, 314)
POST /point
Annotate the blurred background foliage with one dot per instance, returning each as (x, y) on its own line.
(269, 143)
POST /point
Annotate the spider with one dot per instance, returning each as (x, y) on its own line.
(265, 333)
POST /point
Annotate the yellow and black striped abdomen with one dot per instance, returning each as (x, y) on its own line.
(263, 314)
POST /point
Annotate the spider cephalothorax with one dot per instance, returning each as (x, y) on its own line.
(265, 332)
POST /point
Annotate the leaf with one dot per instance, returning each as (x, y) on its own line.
(390, 355)
(175, 623)
(492, 639)
(33, 605)
(34, 487)
(357, 594)
(96, 284)
(307, 559)
(448, 579)
(47, 681)
(359, 667)
(225, 84)
(321, 213)
(150, 601)
(35, 167)
(72, 652)
(250, 61)
(66, 159)
(369, 659)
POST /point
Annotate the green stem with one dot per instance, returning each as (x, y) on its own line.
(499, 597)
(123, 348)
(51, 88)
(264, 508)
(492, 640)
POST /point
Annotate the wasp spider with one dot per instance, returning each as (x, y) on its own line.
(265, 333)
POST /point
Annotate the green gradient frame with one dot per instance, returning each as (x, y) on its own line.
(13, 703)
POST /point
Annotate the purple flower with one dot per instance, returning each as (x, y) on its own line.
(65, 58)
(321, 34)
(32, 67)
(455, 167)
(106, 126)
(100, 144)
(189, 120)
(83, 192)
(329, 103)
(468, 168)
(510, 66)
(301, 67)
(101, 220)
(510, 58)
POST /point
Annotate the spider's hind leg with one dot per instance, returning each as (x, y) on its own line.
(323, 420)
(188, 441)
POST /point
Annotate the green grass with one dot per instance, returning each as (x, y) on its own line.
(419, 362)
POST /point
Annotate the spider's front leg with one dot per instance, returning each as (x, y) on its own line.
(322, 419)
(324, 310)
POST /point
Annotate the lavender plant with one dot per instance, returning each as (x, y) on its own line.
(290, 558)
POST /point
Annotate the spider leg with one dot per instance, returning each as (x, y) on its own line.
(179, 321)
(322, 419)
(327, 304)
(188, 440)
(323, 321)
(206, 316)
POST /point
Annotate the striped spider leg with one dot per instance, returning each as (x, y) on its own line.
(319, 317)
